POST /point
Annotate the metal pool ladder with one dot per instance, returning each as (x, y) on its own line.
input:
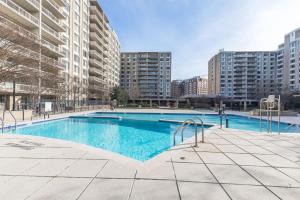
(223, 114)
(2, 124)
(3, 119)
(184, 125)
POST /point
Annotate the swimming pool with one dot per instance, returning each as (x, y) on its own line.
(140, 136)
(138, 139)
(235, 121)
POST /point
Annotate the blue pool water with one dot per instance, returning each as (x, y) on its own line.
(138, 139)
(137, 135)
(235, 121)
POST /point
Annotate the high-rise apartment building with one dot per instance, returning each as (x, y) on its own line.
(176, 88)
(251, 75)
(243, 76)
(192, 86)
(78, 47)
(41, 23)
(104, 54)
(288, 67)
(146, 74)
(195, 86)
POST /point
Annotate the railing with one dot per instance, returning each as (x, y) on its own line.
(182, 128)
(222, 115)
(15, 120)
(51, 16)
(2, 124)
(51, 31)
(202, 128)
(20, 10)
(36, 3)
(50, 46)
(54, 4)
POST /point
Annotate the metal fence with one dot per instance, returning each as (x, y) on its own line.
(60, 107)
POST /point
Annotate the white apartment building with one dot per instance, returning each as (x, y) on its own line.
(195, 86)
(146, 75)
(63, 27)
(104, 55)
(247, 76)
(76, 48)
(42, 22)
(243, 76)
(288, 72)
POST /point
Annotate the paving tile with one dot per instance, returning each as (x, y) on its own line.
(255, 149)
(49, 167)
(5, 179)
(16, 166)
(246, 159)
(84, 168)
(115, 170)
(231, 174)
(218, 141)
(61, 188)
(186, 156)
(271, 177)
(215, 158)
(207, 147)
(193, 172)
(107, 189)
(69, 153)
(248, 192)
(287, 153)
(294, 173)
(163, 171)
(144, 190)
(287, 193)
(230, 148)
(277, 161)
(22, 187)
(196, 191)
(241, 142)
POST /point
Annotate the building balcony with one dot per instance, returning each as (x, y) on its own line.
(17, 29)
(52, 20)
(50, 62)
(30, 5)
(51, 49)
(62, 2)
(95, 54)
(96, 79)
(97, 20)
(95, 46)
(54, 8)
(95, 28)
(102, 88)
(19, 14)
(95, 11)
(96, 71)
(95, 37)
(51, 34)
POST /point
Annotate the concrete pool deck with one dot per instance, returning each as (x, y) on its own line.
(231, 164)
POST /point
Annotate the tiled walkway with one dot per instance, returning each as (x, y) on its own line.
(231, 164)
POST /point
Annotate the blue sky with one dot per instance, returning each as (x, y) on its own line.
(195, 30)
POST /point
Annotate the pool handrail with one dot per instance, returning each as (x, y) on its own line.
(182, 127)
(223, 114)
(2, 124)
(15, 120)
(202, 127)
